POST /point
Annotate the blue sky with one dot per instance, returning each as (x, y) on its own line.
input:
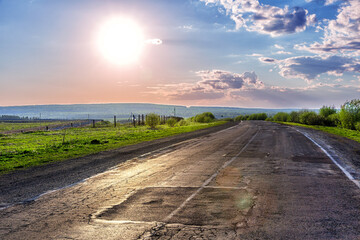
(250, 53)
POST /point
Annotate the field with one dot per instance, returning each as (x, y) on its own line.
(22, 150)
(5, 126)
(351, 134)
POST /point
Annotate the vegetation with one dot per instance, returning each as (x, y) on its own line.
(171, 122)
(254, 116)
(6, 126)
(205, 117)
(21, 150)
(348, 117)
(152, 120)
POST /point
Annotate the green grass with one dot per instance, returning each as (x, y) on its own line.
(22, 150)
(351, 134)
(4, 126)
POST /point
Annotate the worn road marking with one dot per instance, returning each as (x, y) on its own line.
(348, 175)
(211, 178)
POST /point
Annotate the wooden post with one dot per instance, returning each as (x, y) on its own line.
(93, 123)
(139, 121)
(114, 121)
(134, 120)
(142, 120)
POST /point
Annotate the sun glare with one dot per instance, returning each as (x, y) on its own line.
(120, 40)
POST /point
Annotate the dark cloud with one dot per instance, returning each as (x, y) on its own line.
(221, 80)
(266, 18)
(267, 60)
(309, 68)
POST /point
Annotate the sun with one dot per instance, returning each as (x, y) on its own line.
(120, 40)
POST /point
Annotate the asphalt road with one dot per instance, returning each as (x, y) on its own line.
(256, 180)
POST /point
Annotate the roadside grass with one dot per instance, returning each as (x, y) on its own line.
(343, 132)
(5, 126)
(23, 150)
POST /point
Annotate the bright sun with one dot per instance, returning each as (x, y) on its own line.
(120, 40)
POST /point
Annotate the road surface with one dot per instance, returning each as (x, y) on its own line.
(255, 180)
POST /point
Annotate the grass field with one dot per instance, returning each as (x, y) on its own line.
(4, 126)
(22, 150)
(351, 134)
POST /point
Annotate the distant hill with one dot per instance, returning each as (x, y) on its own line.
(124, 110)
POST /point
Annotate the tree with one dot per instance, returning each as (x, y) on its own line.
(326, 111)
(205, 117)
(152, 120)
(349, 114)
(281, 117)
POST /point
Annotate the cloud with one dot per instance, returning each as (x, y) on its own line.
(312, 96)
(221, 80)
(283, 52)
(154, 41)
(214, 84)
(341, 34)
(278, 46)
(308, 68)
(267, 60)
(266, 19)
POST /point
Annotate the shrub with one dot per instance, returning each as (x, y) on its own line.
(183, 123)
(357, 126)
(152, 120)
(171, 122)
(257, 116)
(281, 117)
(205, 117)
(334, 120)
(294, 117)
(326, 111)
(350, 113)
(311, 118)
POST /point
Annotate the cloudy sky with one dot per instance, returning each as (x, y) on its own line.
(242, 53)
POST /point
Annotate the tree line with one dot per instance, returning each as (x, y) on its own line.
(348, 116)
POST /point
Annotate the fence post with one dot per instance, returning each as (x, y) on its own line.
(134, 120)
(142, 119)
(114, 121)
(139, 121)
(93, 123)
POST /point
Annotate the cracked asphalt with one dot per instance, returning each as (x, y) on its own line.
(255, 180)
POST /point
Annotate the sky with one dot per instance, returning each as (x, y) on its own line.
(236, 53)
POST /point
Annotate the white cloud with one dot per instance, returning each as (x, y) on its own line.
(341, 34)
(278, 46)
(283, 52)
(266, 19)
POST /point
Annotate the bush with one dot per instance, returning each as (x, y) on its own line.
(205, 117)
(349, 114)
(357, 126)
(257, 116)
(334, 120)
(311, 118)
(294, 117)
(326, 111)
(171, 122)
(182, 123)
(152, 120)
(281, 117)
